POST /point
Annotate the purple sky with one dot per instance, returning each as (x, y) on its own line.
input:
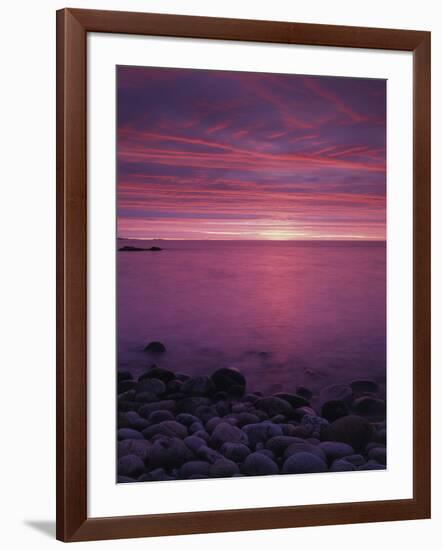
(235, 155)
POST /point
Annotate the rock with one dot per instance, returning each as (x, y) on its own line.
(125, 385)
(194, 468)
(370, 407)
(258, 464)
(302, 432)
(157, 372)
(135, 421)
(342, 465)
(155, 248)
(294, 399)
(314, 425)
(212, 423)
(334, 450)
(274, 405)
(357, 460)
(304, 447)
(174, 386)
(156, 417)
(362, 386)
(158, 474)
(222, 407)
(380, 436)
(250, 398)
(223, 468)
(191, 404)
(303, 463)
(379, 454)
(169, 452)
(354, 430)
(146, 397)
(155, 347)
(148, 408)
(235, 451)
(128, 248)
(152, 385)
(229, 380)
(268, 453)
(124, 375)
(186, 419)
(206, 413)
(129, 433)
(201, 385)
(208, 454)
(336, 392)
(226, 433)
(280, 443)
(137, 447)
(181, 376)
(196, 427)
(239, 408)
(171, 428)
(304, 392)
(194, 442)
(130, 465)
(332, 410)
(245, 418)
(261, 432)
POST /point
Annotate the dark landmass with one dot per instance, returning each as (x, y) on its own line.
(174, 426)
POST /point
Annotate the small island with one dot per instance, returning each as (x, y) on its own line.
(137, 249)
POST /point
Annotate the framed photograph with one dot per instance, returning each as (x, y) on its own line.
(243, 274)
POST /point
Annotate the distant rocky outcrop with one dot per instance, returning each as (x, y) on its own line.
(137, 249)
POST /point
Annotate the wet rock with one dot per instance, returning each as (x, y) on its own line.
(357, 460)
(336, 392)
(170, 428)
(362, 386)
(125, 479)
(294, 399)
(314, 425)
(159, 474)
(156, 417)
(182, 376)
(304, 392)
(186, 419)
(229, 380)
(194, 469)
(300, 412)
(342, 465)
(245, 418)
(332, 410)
(334, 450)
(157, 372)
(196, 427)
(130, 465)
(155, 347)
(304, 447)
(191, 404)
(370, 407)
(124, 375)
(152, 385)
(303, 463)
(125, 385)
(174, 386)
(129, 433)
(280, 443)
(148, 408)
(261, 432)
(379, 454)
(200, 386)
(258, 464)
(226, 433)
(278, 419)
(208, 454)
(222, 408)
(239, 408)
(169, 452)
(250, 398)
(135, 421)
(137, 447)
(146, 397)
(353, 430)
(212, 423)
(205, 413)
(371, 465)
(223, 468)
(194, 442)
(274, 405)
(235, 451)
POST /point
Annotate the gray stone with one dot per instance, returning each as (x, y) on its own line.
(274, 405)
(303, 463)
(156, 417)
(229, 380)
(223, 468)
(353, 430)
(130, 465)
(165, 405)
(155, 347)
(225, 432)
(305, 447)
(169, 452)
(137, 447)
(194, 469)
(194, 442)
(129, 433)
(258, 464)
(201, 385)
(342, 465)
(235, 451)
(335, 449)
(152, 385)
(280, 443)
(171, 428)
(379, 454)
(261, 432)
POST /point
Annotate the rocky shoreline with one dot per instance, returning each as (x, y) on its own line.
(174, 426)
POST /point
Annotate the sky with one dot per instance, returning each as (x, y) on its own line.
(237, 155)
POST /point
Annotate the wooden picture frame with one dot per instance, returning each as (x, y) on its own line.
(73, 523)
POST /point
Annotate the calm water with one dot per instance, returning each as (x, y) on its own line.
(285, 313)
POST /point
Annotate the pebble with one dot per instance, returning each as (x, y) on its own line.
(194, 468)
(225, 432)
(261, 432)
(130, 465)
(335, 449)
(379, 454)
(166, 427)
(332, 410)
(194, 442)
(342, 465)
(229, 380)
(169, 452)
(138, 447)
(303, 463)
(353, 430)
(223, 468)
(235, 451)
(305, 447)
(258, 464)
(165, 405)
(129, 433)
(274, 405)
